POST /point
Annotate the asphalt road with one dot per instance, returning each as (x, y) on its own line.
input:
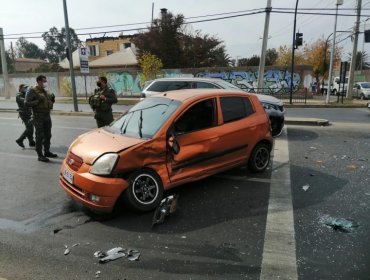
(224, 227)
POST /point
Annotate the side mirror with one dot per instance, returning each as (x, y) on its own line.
(174, 145)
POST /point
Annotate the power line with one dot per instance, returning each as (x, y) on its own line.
(140, 23)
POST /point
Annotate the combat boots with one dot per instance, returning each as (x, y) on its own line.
(50, 154)
(19, 141)
(31, 143)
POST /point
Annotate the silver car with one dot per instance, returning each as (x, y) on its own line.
(362, 90)
(273, 106)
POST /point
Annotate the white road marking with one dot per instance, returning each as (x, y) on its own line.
(60, 157)
(54, 127)
(279, 252)
(250, 179)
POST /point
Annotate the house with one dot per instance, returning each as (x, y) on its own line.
(27, 64)
(106, 52)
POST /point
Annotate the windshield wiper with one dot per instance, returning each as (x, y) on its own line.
(141, 124)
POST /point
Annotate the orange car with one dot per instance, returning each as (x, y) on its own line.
(164, 141)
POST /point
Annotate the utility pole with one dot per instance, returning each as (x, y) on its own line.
(327, 100)
(293, 49)
(261, 69)
(354, 52)
(4, 65)
(71, 70)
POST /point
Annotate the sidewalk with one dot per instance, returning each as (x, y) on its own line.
(65, 106)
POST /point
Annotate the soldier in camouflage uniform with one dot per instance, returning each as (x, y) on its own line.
(41, 102)
(25, 114)
(101, 102)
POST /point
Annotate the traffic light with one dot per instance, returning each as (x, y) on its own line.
(298, 39)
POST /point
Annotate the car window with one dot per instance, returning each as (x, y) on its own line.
(235, 108)
(145, 118)
(199, 116)
(176, 85)
(204, 85)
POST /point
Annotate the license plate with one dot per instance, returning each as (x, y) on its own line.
(68, 176)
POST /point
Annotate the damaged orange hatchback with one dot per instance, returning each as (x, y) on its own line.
(166, 140)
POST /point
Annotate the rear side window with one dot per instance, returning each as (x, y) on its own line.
(161, 86)
(204, 85)
(235, 108)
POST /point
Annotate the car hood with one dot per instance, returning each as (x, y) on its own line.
(269, 99)
(93, 144)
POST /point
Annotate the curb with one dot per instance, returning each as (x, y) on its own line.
(288, 121)
(307, 121)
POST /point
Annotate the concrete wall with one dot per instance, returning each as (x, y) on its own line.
(127, 82)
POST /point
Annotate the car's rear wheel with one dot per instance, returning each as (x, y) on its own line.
(145, 190)
(260, 158)
(362, 96)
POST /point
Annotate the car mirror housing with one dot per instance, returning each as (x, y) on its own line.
(174, 145)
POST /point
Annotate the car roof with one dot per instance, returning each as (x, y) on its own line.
(185, 95)
(190, 79)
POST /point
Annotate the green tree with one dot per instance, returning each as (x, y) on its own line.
(28, 49)
(162, 40)
(203, 51)
(168, 40)
(56, 44)
(362, 60)
(271, 57)
(150, 66)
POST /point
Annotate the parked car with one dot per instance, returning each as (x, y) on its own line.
(273, 106)
(336, 87)
(164, 141)
(361, 90)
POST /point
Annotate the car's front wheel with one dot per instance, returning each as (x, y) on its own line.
(145, 190)
(260, 158)
(276, 126)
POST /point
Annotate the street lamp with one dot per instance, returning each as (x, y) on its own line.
(339, 2)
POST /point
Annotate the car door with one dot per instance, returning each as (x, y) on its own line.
(196, 132)
(239, 128)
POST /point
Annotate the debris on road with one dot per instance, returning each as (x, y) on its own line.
(117, 253)
(133, 255)
(352, 167)
(97, 274)
(305, 187)
(167, 206)
(67, 251)
(344, 225)
(76, 244)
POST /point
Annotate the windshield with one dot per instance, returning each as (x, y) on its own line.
(145, 118)
(365, 85)
(226, 85)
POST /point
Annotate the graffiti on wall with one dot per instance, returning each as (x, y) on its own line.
(129, 83)
(275, 81)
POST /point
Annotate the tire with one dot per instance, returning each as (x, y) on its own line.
(362, 96)
(276, 126)
(145, 191)
(335, 92)
(260, 158)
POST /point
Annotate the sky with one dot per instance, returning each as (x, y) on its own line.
(241, 35)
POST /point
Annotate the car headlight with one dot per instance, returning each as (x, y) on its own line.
(105, 164)
(268, 106)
